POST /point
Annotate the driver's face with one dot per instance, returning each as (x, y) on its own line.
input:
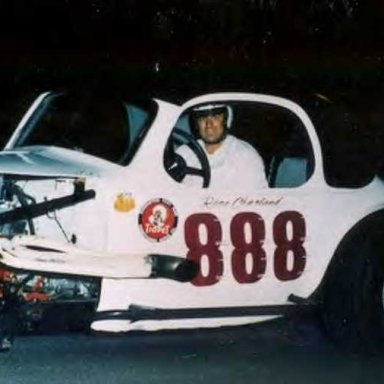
(212, 128)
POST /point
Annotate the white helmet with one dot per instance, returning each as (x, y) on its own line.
(214, 109)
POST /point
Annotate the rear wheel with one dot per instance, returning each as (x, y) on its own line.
(354, 294)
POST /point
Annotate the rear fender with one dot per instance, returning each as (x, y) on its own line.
(372, 227)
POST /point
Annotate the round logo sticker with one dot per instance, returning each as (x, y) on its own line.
(158, 219)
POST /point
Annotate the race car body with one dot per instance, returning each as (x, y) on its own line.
(98, 189)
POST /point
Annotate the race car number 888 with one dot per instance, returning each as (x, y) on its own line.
(248, 258)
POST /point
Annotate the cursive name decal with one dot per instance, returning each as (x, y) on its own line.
(241, 201)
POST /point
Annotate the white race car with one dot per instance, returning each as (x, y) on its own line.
(92, 188)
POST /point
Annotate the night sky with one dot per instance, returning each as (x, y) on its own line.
(220, 43)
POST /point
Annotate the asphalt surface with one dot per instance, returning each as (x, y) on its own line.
(289, 351)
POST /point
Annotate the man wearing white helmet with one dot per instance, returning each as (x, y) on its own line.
(234, 163)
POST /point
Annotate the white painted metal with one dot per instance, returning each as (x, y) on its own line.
(45, 255)
(52, 161)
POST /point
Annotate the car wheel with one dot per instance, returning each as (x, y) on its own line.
(353, 296)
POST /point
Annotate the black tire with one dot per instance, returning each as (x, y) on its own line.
(7, 331)
(353, 306)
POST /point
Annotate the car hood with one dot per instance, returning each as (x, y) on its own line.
(49, 161)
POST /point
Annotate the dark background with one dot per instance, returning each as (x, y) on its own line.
(325, 54)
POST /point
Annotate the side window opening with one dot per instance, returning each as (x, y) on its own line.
(275, 133)
(282, 140)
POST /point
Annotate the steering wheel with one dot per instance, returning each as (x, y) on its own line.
(175, 164)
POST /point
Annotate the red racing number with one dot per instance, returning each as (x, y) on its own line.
(248, 249)
(203, 236)
(197, 227)
(289, 236)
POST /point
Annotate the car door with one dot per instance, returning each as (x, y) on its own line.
(253, 241)
(253, 245)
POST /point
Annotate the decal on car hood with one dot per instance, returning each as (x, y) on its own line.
(52, 161)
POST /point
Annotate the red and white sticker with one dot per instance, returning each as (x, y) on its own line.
(158, 219)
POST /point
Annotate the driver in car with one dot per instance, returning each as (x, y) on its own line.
(234, 163)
